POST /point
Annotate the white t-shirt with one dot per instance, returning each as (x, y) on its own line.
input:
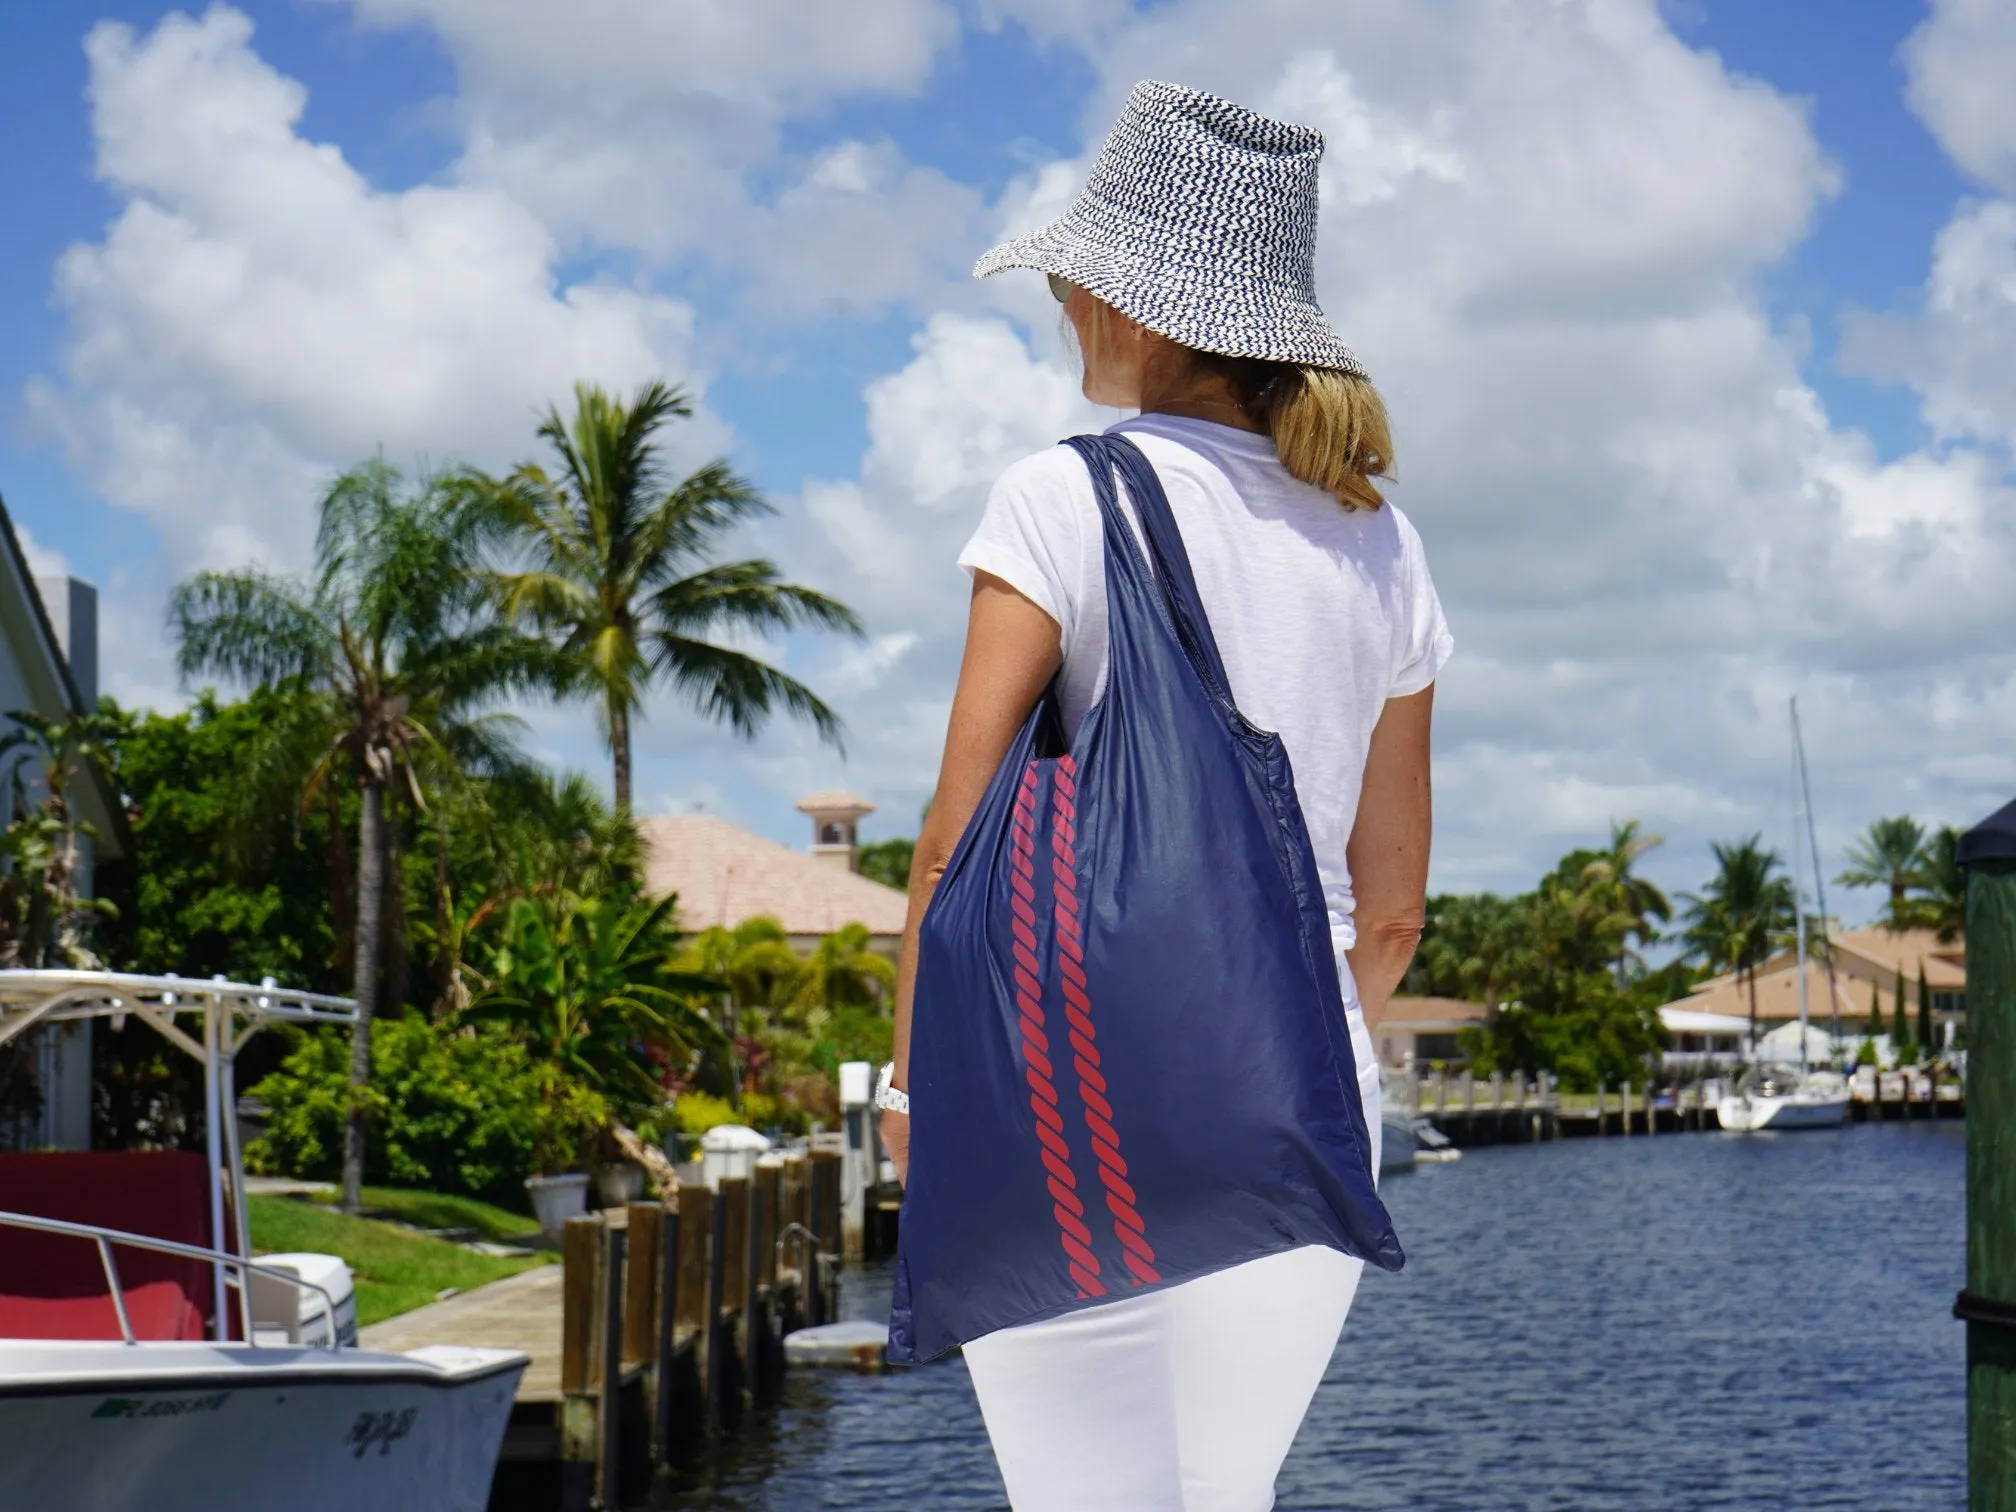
(1321, 613)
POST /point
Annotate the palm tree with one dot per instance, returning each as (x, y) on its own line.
(393, 651)
(1890, 853)
(1743, 915)
(842, 971)
(617, 569)
(41, 850)
(1942, 908)
(1629, 894)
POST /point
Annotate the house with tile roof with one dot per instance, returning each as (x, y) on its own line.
(724, 874)
(1869, 965)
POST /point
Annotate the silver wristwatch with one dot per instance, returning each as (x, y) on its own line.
(888, 1097)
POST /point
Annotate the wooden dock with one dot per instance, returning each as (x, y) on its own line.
(663, 1323)
(1502, 1109)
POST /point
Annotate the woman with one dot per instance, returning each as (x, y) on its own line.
(1186, 273)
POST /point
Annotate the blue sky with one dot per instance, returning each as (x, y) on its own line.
(1778, 149)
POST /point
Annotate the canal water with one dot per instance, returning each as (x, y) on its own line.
(1696, 1321)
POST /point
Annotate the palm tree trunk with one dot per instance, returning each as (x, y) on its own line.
(619, 748)
(370, 922)
(392, 935)
(445, 952)
(1750, 974)
(340, 912)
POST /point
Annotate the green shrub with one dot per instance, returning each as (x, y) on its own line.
(451, 1111)
(694, 1113)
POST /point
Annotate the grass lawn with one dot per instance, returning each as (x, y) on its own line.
(433, 1210)
(396, 1271)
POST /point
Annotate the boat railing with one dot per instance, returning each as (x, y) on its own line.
(106, 1238)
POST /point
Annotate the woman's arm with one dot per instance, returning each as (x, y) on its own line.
(1013, 649)
(1388, 854)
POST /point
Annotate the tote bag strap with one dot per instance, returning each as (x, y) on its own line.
(1173, 580)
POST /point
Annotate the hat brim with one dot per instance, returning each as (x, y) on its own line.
(1202, 308)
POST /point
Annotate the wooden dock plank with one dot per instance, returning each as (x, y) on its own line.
(520, 1312)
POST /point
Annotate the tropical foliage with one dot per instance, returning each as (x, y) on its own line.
(620, 573)
(589, 987)
(392, 660)
(1743, 916)
(1564, 966)
(453, 1111)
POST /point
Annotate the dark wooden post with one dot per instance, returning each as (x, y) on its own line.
(736, 1293)
(664, 1363)
(581, 1260)
(1602, 1092)
(609, 1406)
(712, 1331)
(643, 1273)
(1988, 851)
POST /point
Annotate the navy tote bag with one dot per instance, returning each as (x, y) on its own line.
(1129, 1061)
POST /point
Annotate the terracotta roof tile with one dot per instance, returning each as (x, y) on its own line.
(723, 874)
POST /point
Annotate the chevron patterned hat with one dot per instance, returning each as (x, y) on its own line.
(1199, 221)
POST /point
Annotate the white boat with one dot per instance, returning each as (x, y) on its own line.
(151, 1374)
(1777, 1097)
(1397, 1142)
(1782, 1098)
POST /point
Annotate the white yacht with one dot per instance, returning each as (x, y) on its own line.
(1780, 1097)
(150, 1365)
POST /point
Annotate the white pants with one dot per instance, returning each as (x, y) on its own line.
(1181, 1400)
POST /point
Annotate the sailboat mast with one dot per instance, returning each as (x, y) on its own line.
(1819, 887)
(1798, 887)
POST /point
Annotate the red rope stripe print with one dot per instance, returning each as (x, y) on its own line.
(1120, 1200)
(1037, 1069)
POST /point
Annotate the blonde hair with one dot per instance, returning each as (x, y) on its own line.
(1329, 426)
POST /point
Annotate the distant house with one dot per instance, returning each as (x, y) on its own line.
(1414, 1031)
(49, 664)
(1868, 963)
(724, 874)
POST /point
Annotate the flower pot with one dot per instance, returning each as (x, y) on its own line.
(555, 1199)
(619, 1183)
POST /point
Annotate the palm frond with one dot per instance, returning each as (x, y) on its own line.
(739, 691)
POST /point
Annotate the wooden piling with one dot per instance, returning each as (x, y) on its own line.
(1624, 1110)
(609, 1359)
(1602, 1093)
(645, 1267)
(736, 1295)
(581, 1257)
(717, 1373)
(1988, 852)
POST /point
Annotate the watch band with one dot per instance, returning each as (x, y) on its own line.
(889, 1097)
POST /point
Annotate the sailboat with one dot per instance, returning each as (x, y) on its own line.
(1778, 1097)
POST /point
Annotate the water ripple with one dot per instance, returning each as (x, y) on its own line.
(1699, 1322)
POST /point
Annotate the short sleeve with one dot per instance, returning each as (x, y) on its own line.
(1425, 644)
(1031, 534)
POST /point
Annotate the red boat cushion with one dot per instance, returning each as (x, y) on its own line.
(52, 1286)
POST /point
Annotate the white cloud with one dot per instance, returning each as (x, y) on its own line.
(258, 316)
(1955, 347)
(1962, 63)
(1545, 230)
(658, 128)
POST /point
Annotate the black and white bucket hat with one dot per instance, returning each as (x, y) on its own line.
(1199, 222)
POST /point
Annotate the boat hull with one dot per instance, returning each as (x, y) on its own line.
(215, 1428)
(1751, 1115)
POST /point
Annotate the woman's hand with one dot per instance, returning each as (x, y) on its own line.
(896, 1142)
